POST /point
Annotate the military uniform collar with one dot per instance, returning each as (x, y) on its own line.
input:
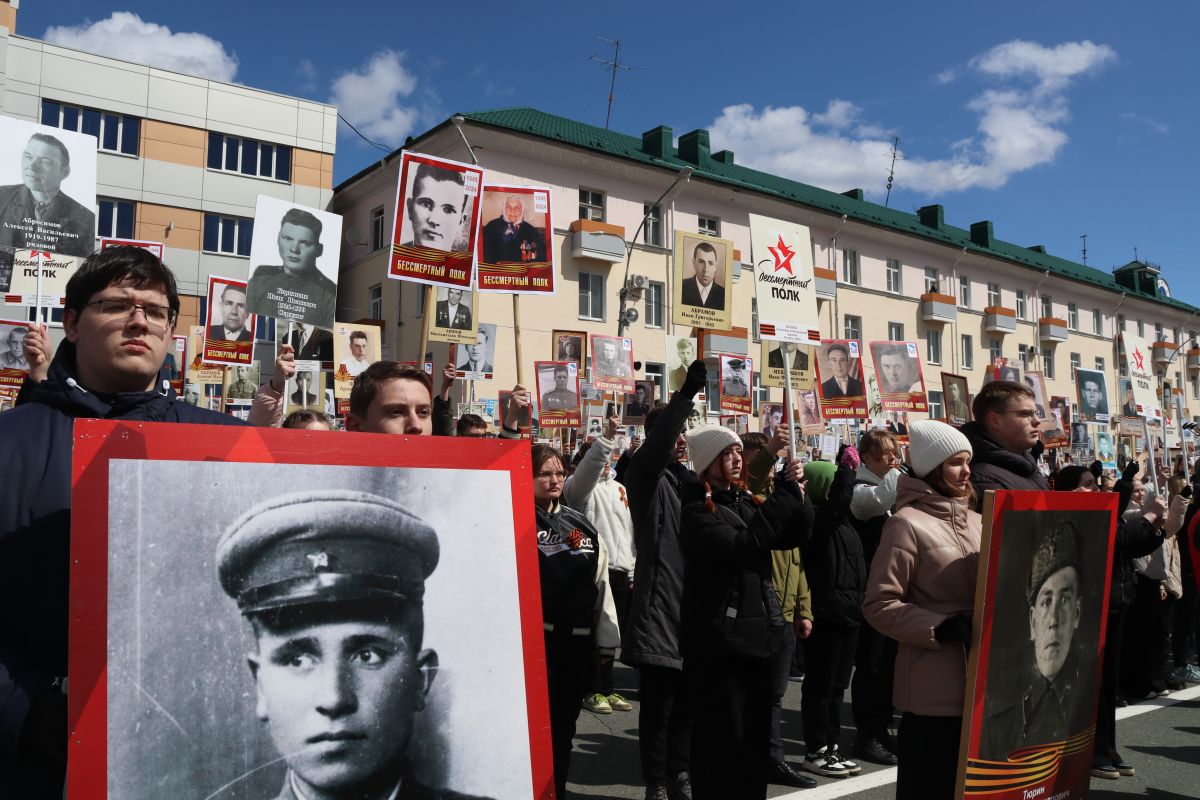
(293, 786)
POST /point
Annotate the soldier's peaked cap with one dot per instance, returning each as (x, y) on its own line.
(737, 363)
(1054, 552)
(314, 547)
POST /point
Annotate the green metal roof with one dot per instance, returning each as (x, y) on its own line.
(532, 122)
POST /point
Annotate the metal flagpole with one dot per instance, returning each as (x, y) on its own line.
(1150, 452)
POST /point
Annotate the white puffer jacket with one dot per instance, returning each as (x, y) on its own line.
(604, 502)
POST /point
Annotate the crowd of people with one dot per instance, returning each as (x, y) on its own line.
(705, 561)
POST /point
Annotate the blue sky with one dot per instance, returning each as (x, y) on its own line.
(1050, 119)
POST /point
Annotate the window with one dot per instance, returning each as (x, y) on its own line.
(249, 157)
(591, 205)
(591, 295)
(933, 346)
(995, 349)
(935, 405)
(894, 283)
(1072, 316)
(115, 220)
(931, 280)
(656, 293)
(1047, 306)
(654, 230)
(896, 331)
(1141, 328)
(376, 303)
(1158, 332)
(1100, 363)
(1020, 304)
(967, 346)
(994, 295)
(656, 372)
(1195, 382)
(1074, 365)
(853, 329)
(1048, 362)
(377, 233)
(228, 235)
(850, 267)
(1097, 322)
(710, 226)
(1120, 323)
(422, 297)
(115, 133)
(1024, 354)
(964, 291)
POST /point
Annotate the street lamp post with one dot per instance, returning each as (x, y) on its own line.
(681, 179)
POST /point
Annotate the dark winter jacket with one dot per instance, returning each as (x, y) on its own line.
(837, 567)
(729, 602)
(1136, 537)
(650, 634)
(573, 567)
(993, 467)
(35, 524)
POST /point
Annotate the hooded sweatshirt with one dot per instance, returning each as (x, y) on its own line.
(35, 537)
(923, 574)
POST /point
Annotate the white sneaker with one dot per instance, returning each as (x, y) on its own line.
(851, 767)
(825, 762)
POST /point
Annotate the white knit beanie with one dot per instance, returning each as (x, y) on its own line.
(931, 442)
(707, 442)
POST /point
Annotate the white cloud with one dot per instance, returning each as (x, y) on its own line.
(1156, 125)
(372, 98)
(946, 76)
(1020, 126)
(307, 71)
(127, 36)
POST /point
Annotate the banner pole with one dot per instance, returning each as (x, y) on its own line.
(423, 345)
(516, 298)
(37, 265)
(1187, 467)
(285, 392)
(785, 351)
(1150, 452)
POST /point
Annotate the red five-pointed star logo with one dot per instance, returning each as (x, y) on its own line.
(783, 256)
(1137, 358)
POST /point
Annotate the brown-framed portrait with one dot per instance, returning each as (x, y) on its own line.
(569, 346)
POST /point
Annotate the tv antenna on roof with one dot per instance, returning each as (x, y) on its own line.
(895, 154)
(614, 65)
(1084, 237)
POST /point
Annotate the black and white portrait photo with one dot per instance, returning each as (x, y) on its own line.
(228, 318)
(453, 309)
(703, 276)
(475, 361)
(437, 205)
(241, 382)
(294, 257)
(305, 390)
(1048, 611)
(313, 631)
(680, 353)
(47, 188)
(1091, 386)
(12, 345)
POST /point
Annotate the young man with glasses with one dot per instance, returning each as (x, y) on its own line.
(1003, 436)
(121, 310)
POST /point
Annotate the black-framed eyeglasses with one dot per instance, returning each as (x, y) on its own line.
(1023, 413)
(160, 316)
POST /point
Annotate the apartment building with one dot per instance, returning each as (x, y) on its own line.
(963, 293)
(181, 159)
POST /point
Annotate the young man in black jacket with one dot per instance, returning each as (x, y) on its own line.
(650, 633)
(120, 315)
(1003, 435)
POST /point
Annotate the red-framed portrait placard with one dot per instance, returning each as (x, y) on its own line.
(516, 240)
(161, 702)
(558, 394)
(228, 328)
(1033, 674)
(436, 222)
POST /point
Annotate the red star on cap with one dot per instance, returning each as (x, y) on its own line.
(1137, 359)
(782, 255)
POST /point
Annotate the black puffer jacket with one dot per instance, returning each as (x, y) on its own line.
(993, 467)
(729, 603)
(654, 480)
(834, 559)
(35, 527)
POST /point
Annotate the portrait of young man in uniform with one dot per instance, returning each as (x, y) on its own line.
(295, 289)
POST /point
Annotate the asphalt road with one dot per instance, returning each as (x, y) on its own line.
(1161, 738)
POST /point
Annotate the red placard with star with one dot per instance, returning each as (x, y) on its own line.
(783, 281)
(166, 664)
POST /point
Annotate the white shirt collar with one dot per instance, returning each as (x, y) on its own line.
(704, 290)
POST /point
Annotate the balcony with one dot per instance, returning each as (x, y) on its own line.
(1193, 358)
(1162, 352)
(1052, 329)
(998, 319)
(826, 280)
(936, 307)
(599, 241)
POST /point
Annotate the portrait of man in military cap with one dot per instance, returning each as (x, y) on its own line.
(319, 631)
(1041, 671)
